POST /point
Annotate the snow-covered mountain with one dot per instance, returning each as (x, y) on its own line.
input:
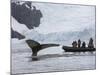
(53, 37)
(59, 27)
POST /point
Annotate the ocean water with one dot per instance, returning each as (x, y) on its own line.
(51, 60)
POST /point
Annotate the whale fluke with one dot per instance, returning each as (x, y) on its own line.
(32, 43)
(48, 45)
(36, 46)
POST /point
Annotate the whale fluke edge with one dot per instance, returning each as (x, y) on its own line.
(36, 46)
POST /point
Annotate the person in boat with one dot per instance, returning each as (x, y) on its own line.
(83, 45)
(74, 44)
(79, 43)
(91, 45)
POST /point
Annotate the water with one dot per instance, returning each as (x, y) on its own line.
(50, 60)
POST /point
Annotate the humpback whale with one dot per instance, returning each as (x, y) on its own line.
(36, 46)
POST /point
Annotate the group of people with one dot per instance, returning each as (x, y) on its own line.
(78, 44)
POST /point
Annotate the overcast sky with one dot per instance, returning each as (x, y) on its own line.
(64, 17)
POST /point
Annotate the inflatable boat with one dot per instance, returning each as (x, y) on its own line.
(72, 49)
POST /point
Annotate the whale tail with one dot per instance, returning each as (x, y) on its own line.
(43, 46)
(35, 46)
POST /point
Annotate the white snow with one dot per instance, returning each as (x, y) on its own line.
(21, 28)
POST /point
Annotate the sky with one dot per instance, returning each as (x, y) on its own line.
(65, 17)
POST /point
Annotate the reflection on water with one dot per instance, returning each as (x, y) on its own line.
(22, 62)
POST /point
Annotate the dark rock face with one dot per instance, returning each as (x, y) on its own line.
(26, 14)
(15, 34)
